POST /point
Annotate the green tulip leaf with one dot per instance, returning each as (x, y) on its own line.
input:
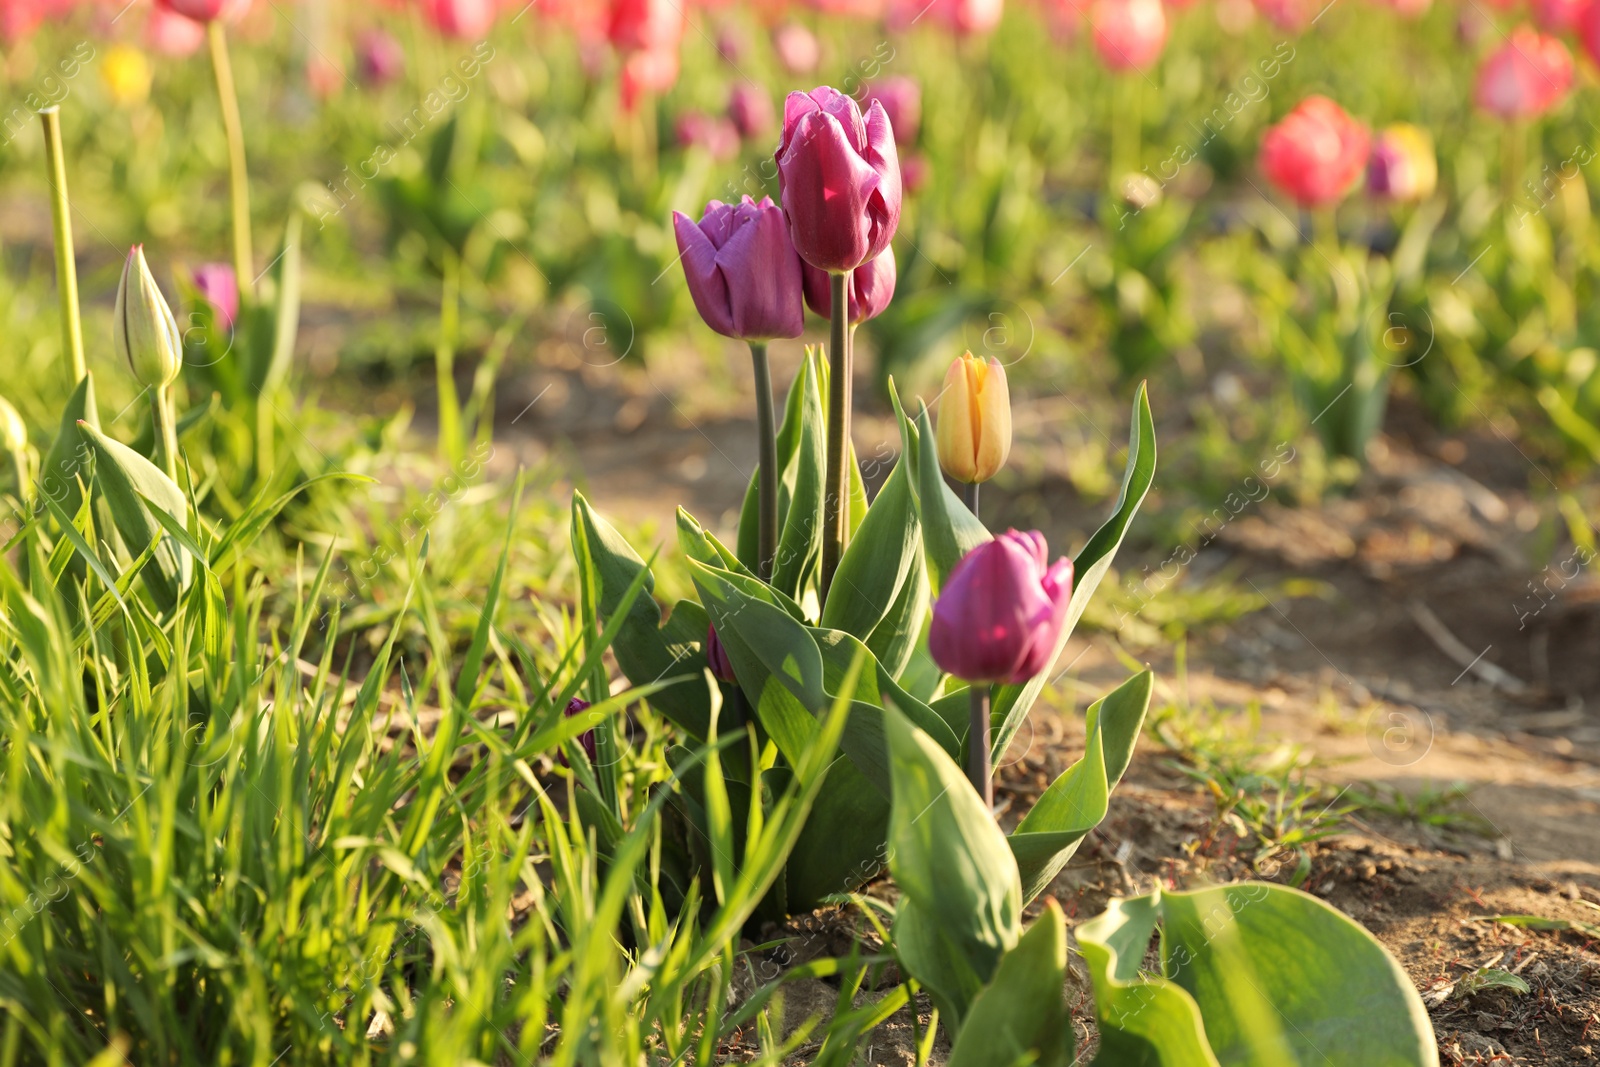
(70, 459)
(1076, 802)
(646, 649)
(1012, 702)
(951, 863)
(1255, 975)
(878, 563)
(799, 541)
(1021, 1016)
(127, 479)
(698, 543)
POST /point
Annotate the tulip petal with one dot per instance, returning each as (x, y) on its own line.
(706, 283)
(761, 274)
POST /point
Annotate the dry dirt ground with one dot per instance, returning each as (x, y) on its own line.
(1440, 686)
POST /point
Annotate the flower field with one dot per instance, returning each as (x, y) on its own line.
(666, 532)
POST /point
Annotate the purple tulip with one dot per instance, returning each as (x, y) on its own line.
(871, 289)
(1001, 611)
(901, 98)
(717, 656)
(742, 271)
(840, 177)
(585, 739)
(219, 286)
(379, 57)
(750, 109)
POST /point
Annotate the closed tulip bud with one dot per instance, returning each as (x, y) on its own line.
(1316, 153)
(585, 739)
(145, 333)
(126, 73)
(717, 656)
(840, 176)
(871, 289)
(1128, 34)
(1001, 611)
(1403, 167)
(13, 433)
(742, 269)
(974, 429)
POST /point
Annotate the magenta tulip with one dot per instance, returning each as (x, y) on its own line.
(750, 110)
(461, 19)
(1001, 611)
(717, 656)
(1316, 153)
(586, 739)
(742, 269)
(840, 177)
(219, 286)
(871, 289)
(901, 98)
(379, 57)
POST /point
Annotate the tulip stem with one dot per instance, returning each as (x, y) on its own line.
(66, 261)
(165, 409)
(836, 497)
(767, 473)
(978, 745)
(238, 177)
(969, 497)
(444, 355)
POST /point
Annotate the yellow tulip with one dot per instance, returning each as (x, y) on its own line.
(974, 430)
(127, 75)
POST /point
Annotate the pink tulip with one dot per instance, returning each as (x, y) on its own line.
(913, 172)
(1001, 611)
(205, 10)
(962, 17)
(650, 71)
(797, 48)
(901, 98)
(718, 136)
(840, 177)
(1290, 15)
(717, 656)
(461, 19)
(218, 286)
(20, 18)
(1525, 77)
(1316, 153)
(742, 269)
(871, 288)
(173, 35)
(379, 57)
(750, 110)
(1558, 16)
(645, 25)
(1128, 34)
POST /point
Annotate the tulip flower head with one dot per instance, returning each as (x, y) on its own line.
(1525, 77)
(901, 98)
(1316, 153)
(206, 10)
(145, 333)
(219, 286)
(461, 19)
(973, 434)
(171, 34)
(750, 110)
(1558, 16)
(717, 656)
(380, 59)
(718, 136)
(126, 73)
(839, 174)
(871, 289)
(576, 706)
(797, 48)
(1001, 611)
(1403, 167)
(1128, 34)
(742, 269)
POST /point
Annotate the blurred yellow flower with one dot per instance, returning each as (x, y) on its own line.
(126, 73)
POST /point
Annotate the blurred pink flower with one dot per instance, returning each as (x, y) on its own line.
(462, 19)
(218, 286)
(379, 57)
(1525, 77)
(750, 110)
(172, 35)
(1128, 34)
(797, 48)
(1316, 153)
(901, 98)
(696, 129)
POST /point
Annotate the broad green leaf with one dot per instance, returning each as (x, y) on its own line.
(947, 855)
(878, 563)
(698, 543)
(949, 529)
(1021, 1016)
(1268, 974)
(646, 650)
(124, 477)
(1076, 802)
(1012, 702)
